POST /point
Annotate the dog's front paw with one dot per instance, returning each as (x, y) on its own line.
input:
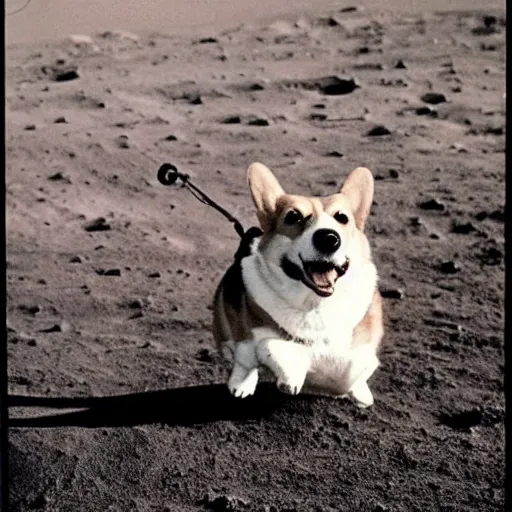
(243, 387)
(291, 384)
(362, 395)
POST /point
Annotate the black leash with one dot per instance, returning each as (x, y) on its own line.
(168, 174)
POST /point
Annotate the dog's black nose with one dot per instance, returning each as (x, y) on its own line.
(326, 240)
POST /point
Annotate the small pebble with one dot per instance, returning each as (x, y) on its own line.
(232, 120)
(427, 111)
(98, 224)
(432, 204)
(110, 272)
(32, 310)
(136, 304)
(449, 267)
(392, 293)
(463, 228)
(194, 99)
(433, 98)
(378, 130)
(259, 121)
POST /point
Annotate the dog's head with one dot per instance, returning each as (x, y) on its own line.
(312, 239)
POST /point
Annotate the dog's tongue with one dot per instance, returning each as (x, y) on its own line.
(324, 279)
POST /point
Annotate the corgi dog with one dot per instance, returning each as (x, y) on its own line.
(302, 301)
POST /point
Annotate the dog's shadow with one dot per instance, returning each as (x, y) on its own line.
(179, 406)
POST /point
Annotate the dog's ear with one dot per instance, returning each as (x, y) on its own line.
(265, 191)
(358, 188)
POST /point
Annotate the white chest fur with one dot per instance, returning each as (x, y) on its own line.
(324, 322)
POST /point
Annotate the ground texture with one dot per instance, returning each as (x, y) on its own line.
(117, 396)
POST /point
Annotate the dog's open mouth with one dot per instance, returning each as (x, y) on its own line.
(321, 276)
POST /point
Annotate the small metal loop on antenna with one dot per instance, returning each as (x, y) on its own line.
(168, 174)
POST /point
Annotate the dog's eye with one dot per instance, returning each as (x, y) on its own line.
(341, 217)
(293, 217)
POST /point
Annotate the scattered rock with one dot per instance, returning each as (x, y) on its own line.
(393, 173)
(258, 121)
(136, 304)
(30, 127)
(232, 120)
(491, 256)
(137, 314)
(494, 130)
(194, 99)
(350, 8)
(99, 224)
(335, 154)
(154, 275)
(207, 40)
(60, 120)
(64, 326)
(330, 21)
(171, 137)
(370, 66)
(316, 116)
(460, 148)
(432, 204)
(488, 47)
(205, 355)
(336, 86)
(123, 142)
(110, 272)
(224, 503)
(31, 310)
(434, 98)
(61, 72)
(496, 215)
(489, 26)
(378, 130)
(391, 293)
(474, 417)
(463, 228)
(396, 82)
(427, 111)
(59, 176)
(489, 20)
(53, 328)
(75, 259)
(21, 380)
(400, 65)
(449, 267)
